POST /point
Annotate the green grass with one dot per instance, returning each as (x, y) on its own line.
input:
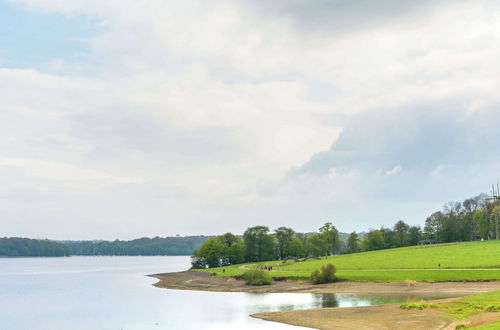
(466, 306)
(491, 326)
(470, 261)
(420, 306)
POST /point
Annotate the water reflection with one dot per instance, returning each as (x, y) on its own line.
(327, 300)
(272, 302)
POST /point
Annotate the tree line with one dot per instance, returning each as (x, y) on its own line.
(171, 246)
(259, 244)
(26, 247)
(475, 218)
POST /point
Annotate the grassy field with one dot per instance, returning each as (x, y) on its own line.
(468, 305)
(492, 326)
(459, 262)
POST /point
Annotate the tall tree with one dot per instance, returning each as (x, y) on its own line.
(284, 238)
(401, 230)
(316, 245)
(331, 236)
(389, 238)
(259, 245)
(209, 254)
(234, 249)
(373, 241)
(353, 243)
(414, 235)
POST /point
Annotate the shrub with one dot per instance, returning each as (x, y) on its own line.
(257, 277)
(420, 305)
(324, 275)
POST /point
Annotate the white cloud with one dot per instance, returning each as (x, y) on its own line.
(213, 100)
(396, 169)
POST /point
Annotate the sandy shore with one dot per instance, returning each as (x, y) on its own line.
(192, 280)
(376, 317)
(372, 317)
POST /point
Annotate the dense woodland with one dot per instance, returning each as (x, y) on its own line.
(25, 247)
(172, 246)
(475, 218)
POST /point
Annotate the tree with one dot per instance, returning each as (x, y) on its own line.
(330, 235)
(353, 243)
(433, 225)
(373, 241)
(389, 238)
(481, 221)
(297, 248)
(401, 231)
(259, 245)
(414, 235)
(284, 238)
(234, 249)
(315, 245)
(209, 254)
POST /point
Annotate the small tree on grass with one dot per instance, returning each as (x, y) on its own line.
(257, 277)
(324, 275)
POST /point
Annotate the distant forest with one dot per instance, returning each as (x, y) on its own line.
(172, 246)
(26, 247)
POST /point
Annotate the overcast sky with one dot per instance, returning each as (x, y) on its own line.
(122, 119)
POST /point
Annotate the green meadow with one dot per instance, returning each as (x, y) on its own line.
(468, 305)
(492, 326)
(469, 261)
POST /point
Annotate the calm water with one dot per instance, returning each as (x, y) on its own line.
(113, 293)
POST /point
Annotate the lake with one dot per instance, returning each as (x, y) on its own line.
(114, 293)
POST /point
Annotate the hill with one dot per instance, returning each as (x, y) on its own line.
(442, 262)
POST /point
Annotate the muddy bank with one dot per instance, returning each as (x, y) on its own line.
(371, 317)
(192, 280)
(389, 317)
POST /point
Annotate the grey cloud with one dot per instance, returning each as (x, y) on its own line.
(444, 152)
(342, 15)
(418, 138)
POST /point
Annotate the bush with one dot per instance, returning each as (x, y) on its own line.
(419, 306)
(324, 275)
(257, 277)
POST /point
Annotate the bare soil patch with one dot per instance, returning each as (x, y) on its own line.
(372, 317)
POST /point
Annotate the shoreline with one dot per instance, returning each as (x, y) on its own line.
(203, 281)
(369, 317)
(390, 317)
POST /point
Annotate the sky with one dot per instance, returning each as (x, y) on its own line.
(130, 118)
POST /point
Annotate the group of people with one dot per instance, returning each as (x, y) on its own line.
(269, 268)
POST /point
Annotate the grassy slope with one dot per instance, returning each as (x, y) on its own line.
(464, 261)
